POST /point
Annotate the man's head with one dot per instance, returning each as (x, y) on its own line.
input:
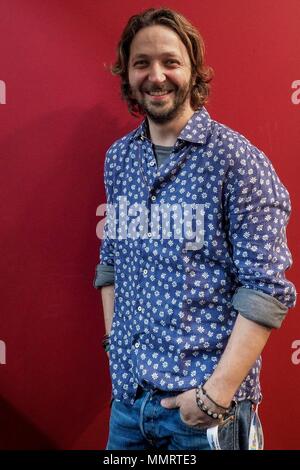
(161, 65)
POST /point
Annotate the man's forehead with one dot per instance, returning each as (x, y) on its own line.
(157, 39)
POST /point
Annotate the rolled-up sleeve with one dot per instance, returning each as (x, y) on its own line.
(257, 212)
(104, 276)
(104, 273)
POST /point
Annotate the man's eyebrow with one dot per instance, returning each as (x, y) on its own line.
(147, 56)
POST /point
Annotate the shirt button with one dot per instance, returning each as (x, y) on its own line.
(153, 198)
(145, 272)
(137, 345)
(152, 163)
(139, 308)
(149, 234)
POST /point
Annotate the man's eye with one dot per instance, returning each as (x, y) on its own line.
(144, 63)
(140, 63)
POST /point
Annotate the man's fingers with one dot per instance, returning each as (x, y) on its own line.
(171, 402)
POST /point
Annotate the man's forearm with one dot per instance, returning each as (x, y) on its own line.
(108, 299)
(244, 347)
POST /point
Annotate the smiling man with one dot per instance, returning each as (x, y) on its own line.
(164, 93)
(186, 323)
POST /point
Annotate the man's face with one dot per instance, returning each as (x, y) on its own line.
(159, 73)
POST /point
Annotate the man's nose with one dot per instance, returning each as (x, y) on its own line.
(156, 74)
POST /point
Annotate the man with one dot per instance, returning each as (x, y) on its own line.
(188, 309)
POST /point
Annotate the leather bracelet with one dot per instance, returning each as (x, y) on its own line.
(215, 403)
(200, 403)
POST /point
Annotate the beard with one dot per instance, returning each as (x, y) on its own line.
(161, 112)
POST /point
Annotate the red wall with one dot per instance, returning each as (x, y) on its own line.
(60, 110)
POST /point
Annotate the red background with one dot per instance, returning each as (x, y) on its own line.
(62, 111)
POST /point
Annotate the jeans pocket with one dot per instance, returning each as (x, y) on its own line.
(189, 427)
(243, 421)
(226, 432)
(233, 433)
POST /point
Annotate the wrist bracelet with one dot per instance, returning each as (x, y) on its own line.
(106, 343)
(204, 408)
(215, 403)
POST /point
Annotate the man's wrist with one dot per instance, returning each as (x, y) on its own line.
(220, 391)
(106, 342)
(209, 406)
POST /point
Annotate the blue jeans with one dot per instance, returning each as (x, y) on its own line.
(148, 425)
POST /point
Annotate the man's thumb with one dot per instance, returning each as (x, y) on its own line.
(170, 402)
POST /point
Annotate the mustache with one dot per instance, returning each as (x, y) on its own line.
(154, 89)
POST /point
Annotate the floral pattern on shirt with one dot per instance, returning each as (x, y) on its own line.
(173, 312)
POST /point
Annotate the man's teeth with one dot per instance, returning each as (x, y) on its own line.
(158, 93)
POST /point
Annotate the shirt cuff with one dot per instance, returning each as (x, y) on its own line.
(259, 307)
(104, 276)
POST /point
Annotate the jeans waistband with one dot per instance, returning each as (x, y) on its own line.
(146, 386)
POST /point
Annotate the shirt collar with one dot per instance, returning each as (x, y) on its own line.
(196, 130)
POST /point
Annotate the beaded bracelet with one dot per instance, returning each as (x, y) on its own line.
(105, 343)
(205, 409)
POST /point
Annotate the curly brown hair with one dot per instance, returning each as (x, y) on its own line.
(189, 35)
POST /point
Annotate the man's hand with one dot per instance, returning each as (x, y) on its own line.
(189, 411)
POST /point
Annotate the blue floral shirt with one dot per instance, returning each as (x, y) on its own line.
(175, 307)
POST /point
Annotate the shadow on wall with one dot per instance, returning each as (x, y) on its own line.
(18, 433)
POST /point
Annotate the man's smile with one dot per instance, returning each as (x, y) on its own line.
(158, 95)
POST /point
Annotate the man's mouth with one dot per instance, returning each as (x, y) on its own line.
(158, 93)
